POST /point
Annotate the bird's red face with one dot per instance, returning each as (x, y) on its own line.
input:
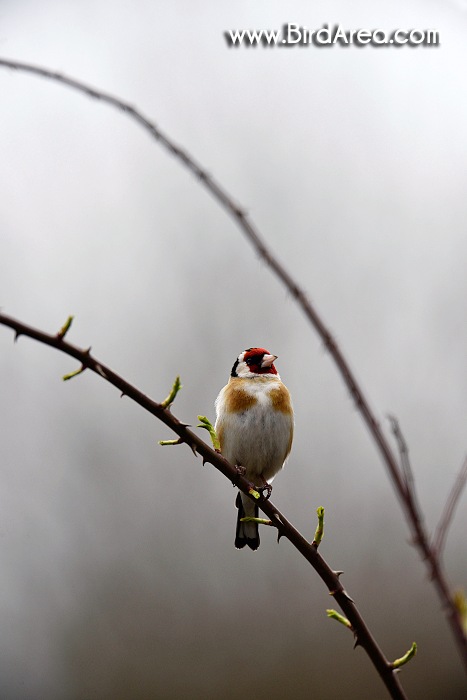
(254, 361)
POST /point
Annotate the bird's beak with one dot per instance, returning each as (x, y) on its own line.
(268, 360)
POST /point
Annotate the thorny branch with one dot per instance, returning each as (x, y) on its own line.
(331, 578)
(420, 536)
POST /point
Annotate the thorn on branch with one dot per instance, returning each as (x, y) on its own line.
(346, 595)
(177, 385)
(319, 532)
(406, 658)
(343, 593)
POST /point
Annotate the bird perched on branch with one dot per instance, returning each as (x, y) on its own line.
(254, 426)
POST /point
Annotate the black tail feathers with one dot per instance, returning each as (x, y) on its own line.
(247, 534)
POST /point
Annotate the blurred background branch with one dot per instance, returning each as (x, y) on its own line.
(439, 539)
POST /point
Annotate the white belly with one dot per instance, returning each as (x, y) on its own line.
(257, 438)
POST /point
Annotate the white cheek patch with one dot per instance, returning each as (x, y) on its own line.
(242, 368)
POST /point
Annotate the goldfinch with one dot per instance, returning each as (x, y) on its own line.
(254, 425)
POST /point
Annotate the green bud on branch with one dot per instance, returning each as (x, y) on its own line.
(260, 521)
(340, 618)
(177, 385)
(66, 377)
(319, 532)
(460, 601)
(207, 425)
(404, 659)
(65, 328)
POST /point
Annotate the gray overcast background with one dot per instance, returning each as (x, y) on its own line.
(119, 578)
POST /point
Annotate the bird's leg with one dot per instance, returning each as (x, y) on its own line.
(241, 471)
(266, 489)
